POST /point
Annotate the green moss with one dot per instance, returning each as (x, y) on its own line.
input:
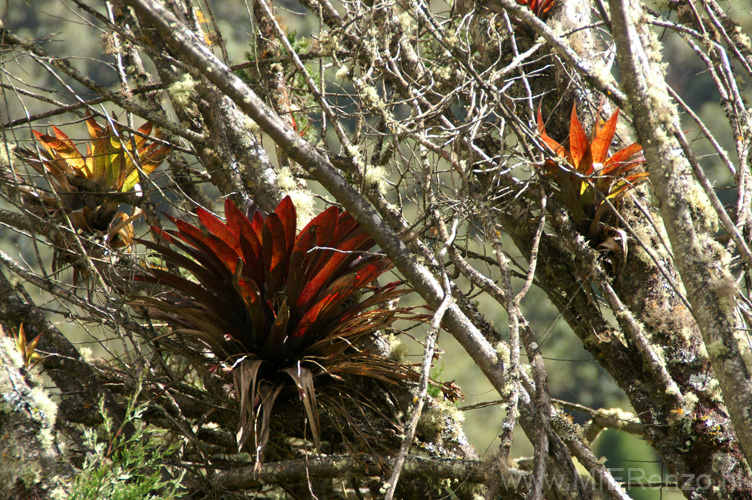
(47, 407)
(30, 474)
(398, 351)
(565, 427)
(370, 96)
(6, 154)
(503, 352)
(407, 22)
(8, 346)
(690, 401)
(11, 468)
(342, 73)
(703, 211)
(374, 178)
(741, 337)
(22, 464)
(619, 414)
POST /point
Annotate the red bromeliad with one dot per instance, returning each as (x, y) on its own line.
(281, 308)
(539, 7)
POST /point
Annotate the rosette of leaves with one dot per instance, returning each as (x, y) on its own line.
(587, 175)
(85, 188)
(282, 309)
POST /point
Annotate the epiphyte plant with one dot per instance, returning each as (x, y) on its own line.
(85, 188)
(278, 309)
(587, 175)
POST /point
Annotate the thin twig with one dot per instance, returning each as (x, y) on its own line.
(428, 354)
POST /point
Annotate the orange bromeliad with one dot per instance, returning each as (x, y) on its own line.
(590, 175)
(108, 166)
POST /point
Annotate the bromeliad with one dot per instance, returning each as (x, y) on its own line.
(539, 7)
(81, 183)
(85, 186)
(280, 308)
(587, 176)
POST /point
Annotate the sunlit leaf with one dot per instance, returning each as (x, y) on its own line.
(27, 349)
(539, 7)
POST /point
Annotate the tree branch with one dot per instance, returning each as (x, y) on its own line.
(688, 217)
(365, 466)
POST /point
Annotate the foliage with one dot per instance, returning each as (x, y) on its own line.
(591, 176)
(28, 349)
(539, 7)
(127, 468)
(80, 183)
(278, 307)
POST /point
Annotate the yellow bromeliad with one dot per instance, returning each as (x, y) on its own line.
(84, 188)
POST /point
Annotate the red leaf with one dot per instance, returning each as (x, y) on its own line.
(300, 260)
(210, 244)
(274, 347)
(621, 157)
(345, 225)
(257, 224)
(218, 229)
(544, 7)
(274, 251)
(187, 229)
(227, 255)
(337, 292)
(237, 222)
(551, 143)
(194, 237)
(579, 144)
(338, 259)
(193, 289)
(207, 260)
(254, 262)
(324, 225)
(206, 277)
(254, 305)
(289, 219)
(602, 140)
(285, 294)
